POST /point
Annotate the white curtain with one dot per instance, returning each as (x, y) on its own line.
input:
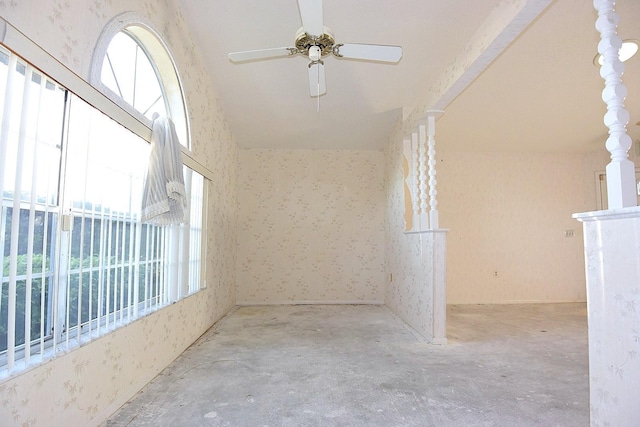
(164, 199)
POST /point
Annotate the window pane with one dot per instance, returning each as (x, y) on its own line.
(106, 163)
(121, 62)
(109, 254)
(42, 114)
(195, 229)
(149, 98)
(129, 73)
(38, 267)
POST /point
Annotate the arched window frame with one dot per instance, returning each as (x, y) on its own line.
(61, 334)
(143, 33)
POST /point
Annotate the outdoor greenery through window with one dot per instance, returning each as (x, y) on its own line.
(76, 260)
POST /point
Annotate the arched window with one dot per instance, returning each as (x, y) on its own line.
(77, 259)
(133, 67)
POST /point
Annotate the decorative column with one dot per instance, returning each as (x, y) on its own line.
(433, 202)
(621, 171)
(421, 219)
(438, 240)
(415, 150)
(423, 179)
(612, 251)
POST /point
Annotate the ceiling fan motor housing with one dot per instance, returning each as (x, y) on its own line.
(305, 41)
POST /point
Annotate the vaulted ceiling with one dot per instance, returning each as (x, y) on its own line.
(542, 93)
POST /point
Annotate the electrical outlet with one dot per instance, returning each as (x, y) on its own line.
(495, 273)
(569, 233)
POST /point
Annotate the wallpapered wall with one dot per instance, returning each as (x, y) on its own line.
(408, 294)
(508, 213)
(86, 385)
(310, 226)
(505, 212)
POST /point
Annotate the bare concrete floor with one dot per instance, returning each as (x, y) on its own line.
(507, 365)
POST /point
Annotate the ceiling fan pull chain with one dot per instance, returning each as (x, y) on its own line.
(318, 94)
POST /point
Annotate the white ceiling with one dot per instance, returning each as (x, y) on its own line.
(541, 94)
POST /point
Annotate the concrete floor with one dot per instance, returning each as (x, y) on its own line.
(509, 365)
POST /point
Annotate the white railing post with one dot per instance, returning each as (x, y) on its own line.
(433, 192)
(422, 143)
(620, 171)
(415, 189)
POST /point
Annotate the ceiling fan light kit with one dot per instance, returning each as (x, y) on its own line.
(628, 49)
(315, 41)
(324, 41)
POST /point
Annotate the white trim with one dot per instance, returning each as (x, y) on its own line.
(519, 302)
(602, 201)
(189, 161)
(433, 231)
(307, 302)
(611, 214)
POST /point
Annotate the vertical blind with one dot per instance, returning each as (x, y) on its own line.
(76, 260)
(30, 136)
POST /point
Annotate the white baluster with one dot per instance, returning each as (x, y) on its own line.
(415, 188)
(424, 205)
(620, 172)
(433, 201)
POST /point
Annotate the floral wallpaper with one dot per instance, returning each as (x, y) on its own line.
(310, 226)
(85, 386)
(612, 250)
(409, 294)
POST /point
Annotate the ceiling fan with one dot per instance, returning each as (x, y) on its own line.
(315, 41)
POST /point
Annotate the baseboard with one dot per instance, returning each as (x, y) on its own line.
(354, 302)
(512, 302)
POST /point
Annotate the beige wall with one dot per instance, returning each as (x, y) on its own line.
(310, 226)
(508, 213)
(86, 385)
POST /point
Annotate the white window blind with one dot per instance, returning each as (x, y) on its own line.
(32, 118)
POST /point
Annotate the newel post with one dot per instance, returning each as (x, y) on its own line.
(620, 171)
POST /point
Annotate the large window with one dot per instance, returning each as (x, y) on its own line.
(76, 260)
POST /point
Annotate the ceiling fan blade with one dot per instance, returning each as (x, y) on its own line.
(370, 52)
(311, 15)
(317, 82)
(251, 55)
